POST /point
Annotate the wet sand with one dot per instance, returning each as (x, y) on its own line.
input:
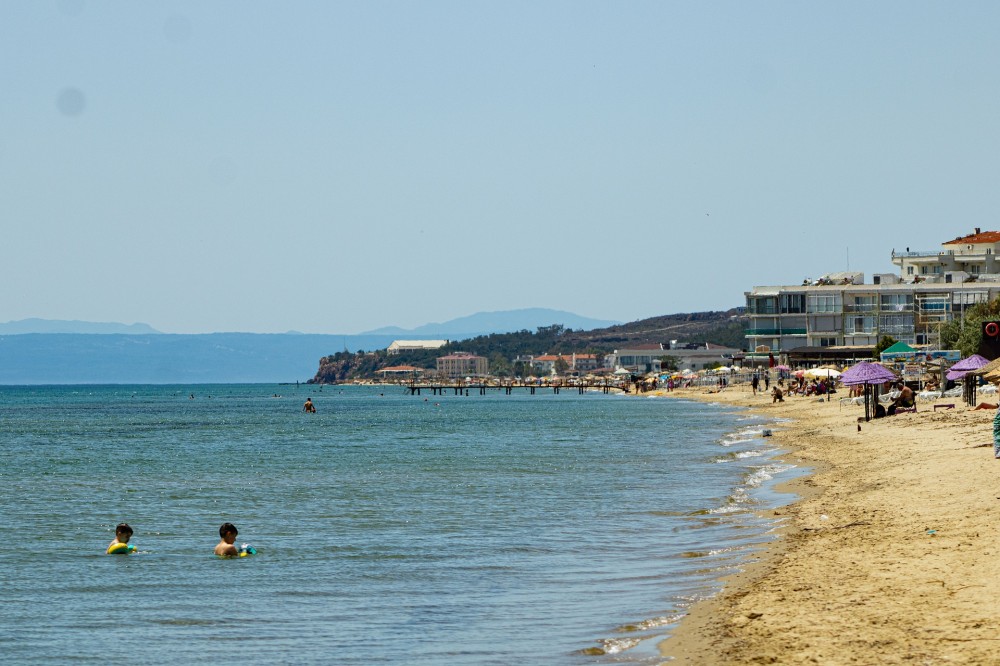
(892, 556)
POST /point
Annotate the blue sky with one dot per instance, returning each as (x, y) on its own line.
(334, 167)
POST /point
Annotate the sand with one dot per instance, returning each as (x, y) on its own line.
(891, 556)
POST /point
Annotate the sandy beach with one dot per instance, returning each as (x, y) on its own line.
(890, 556)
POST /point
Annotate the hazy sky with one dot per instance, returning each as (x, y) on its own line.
(333, 167)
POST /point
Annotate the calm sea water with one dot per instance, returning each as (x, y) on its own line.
(390, 529)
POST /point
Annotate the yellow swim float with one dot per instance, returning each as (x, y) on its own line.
(120, 549)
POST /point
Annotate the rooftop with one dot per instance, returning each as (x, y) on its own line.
(978, 237)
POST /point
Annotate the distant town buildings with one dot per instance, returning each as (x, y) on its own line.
(462, 364)
(398, 346)
(643, 358)
(840, 310)
(575, 363)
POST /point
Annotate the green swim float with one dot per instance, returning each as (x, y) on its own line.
(120, 549)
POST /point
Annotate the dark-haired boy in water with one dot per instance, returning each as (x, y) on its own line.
(122, 534)
(226, 547)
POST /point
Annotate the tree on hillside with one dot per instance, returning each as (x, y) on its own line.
(883, 344)
(966, 334)
(731, 334)
(561, 366)
(499, 365)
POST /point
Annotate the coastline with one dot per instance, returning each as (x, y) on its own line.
(887, 556)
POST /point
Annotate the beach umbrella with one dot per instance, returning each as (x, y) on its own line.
(823, 372)
(866, 374)
(966, 365)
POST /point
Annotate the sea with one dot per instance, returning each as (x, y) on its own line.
(390, 528)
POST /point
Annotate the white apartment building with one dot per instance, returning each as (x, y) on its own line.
(398, 346)
(933, 288)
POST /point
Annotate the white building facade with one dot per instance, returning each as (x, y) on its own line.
(841, 310)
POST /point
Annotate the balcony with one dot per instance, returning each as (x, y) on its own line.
(921, 253)
(775, 331)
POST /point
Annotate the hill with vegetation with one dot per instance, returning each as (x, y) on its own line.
(718, 327)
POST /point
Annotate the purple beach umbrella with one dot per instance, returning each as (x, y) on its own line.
(965, 366)
(866, 373)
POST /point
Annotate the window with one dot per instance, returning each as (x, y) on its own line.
(860, 325)
(827, 342)
(762, 304)
(897, 302)
(824, 303)
(792, 303)
(896, 325)
(970, 298)
(909, 270)
(865, 303)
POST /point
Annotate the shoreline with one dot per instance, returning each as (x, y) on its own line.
(885, 556)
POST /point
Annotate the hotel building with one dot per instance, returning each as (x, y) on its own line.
(461, 364)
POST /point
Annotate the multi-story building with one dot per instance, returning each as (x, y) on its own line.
(841, 310)
(576, 363)
(398, 346)
(462, 364)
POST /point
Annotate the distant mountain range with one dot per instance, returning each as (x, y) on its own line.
(504, 321)
(24, 326)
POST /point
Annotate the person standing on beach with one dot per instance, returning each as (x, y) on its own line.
(754, 383)
(996, 434)
(767, 381)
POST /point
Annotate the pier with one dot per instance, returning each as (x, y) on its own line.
(463, 388)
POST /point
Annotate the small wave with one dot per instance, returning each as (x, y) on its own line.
(764, 474)
(741, 455)
(651, 623)
(754, 453)
(617, 645)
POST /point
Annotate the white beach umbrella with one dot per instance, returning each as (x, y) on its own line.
(822, 372)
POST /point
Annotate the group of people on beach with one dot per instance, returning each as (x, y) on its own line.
(225, 548)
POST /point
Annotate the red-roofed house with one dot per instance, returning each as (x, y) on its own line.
(975, 254)
(575, 362)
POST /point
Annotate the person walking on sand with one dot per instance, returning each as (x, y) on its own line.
(755, 382)
(996, 434)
